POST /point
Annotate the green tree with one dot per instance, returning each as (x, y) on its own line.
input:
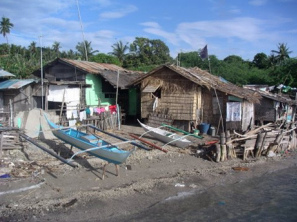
(5, 26)
(119, 50)
(282, 53)
(85, 49)
(260, 60)
(103, 58)
(233, 59)
(56, 48)
(146, 54)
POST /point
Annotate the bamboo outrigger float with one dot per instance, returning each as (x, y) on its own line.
(182, 131)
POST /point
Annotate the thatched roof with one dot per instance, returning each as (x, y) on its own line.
(283, 98)
(205, 79)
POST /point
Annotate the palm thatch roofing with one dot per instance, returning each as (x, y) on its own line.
(108, 71)
(283, 98)
(205, 79)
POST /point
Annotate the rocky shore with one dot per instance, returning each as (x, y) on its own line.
(41, 188)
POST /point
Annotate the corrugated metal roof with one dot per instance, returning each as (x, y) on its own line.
(96, 68)
(107, 71)
(15, 83)
(4, 73)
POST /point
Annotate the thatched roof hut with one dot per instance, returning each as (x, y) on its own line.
(193, 95)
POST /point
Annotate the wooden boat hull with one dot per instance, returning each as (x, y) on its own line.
(84, 141)
(166, 136)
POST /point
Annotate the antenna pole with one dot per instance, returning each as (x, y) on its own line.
(82, 30)
(41, 70)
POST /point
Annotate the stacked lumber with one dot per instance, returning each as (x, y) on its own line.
(104, 121)
(9, 139)
(267, 140)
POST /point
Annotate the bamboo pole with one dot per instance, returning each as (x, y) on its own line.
(46, 150)
(223, 146)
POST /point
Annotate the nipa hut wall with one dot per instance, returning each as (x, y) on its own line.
(213, 105)
(265, 111)
(179, 96)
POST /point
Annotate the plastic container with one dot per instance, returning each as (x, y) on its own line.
(212, 131)
(204, 127)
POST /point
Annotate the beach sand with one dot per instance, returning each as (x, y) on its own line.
(41, 188)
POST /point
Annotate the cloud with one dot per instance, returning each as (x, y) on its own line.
(119, 13)
(248, 29)
(155, 29)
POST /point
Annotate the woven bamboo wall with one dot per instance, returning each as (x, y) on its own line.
(180, 97)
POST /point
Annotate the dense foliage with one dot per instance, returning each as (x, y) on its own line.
(145, 54)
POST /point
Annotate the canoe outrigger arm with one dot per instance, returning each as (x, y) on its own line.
(175, 140)
(120, 138)
(97, 148)
(150, 131)
(46, 150)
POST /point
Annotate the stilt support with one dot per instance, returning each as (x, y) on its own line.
(104, 170)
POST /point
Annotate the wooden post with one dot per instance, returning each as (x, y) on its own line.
(278, 140)
(61, 110)
(218, 152)
(259, 142)
(230, 153)
(293, 140)
(11, 122)
(223, 146)
(1, 142)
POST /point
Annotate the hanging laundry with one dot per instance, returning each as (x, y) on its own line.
(113, 109)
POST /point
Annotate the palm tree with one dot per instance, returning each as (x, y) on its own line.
(85, 49)
(119, 50)
(5, 27)
(32, 49)
(282, 53)
(56, 48)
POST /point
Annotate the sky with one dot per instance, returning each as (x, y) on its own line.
(228, 27)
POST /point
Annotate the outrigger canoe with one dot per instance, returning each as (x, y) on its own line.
(166, 136)
(83, 141)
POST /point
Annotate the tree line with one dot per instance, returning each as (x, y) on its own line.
(144, 54)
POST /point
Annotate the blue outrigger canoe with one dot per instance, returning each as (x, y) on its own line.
(95, 145)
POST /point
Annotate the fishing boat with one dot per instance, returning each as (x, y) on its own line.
(94, 145)
(166, 136)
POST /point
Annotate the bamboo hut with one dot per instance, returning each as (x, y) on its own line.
(273, 107)
(194, 96)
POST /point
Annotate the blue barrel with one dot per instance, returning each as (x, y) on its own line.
(204, 127)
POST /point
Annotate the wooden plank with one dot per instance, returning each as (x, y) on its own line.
(1, 142)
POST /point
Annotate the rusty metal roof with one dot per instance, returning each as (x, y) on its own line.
(15, 83)
(107, 71)
(96, 68)
(4, 73)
